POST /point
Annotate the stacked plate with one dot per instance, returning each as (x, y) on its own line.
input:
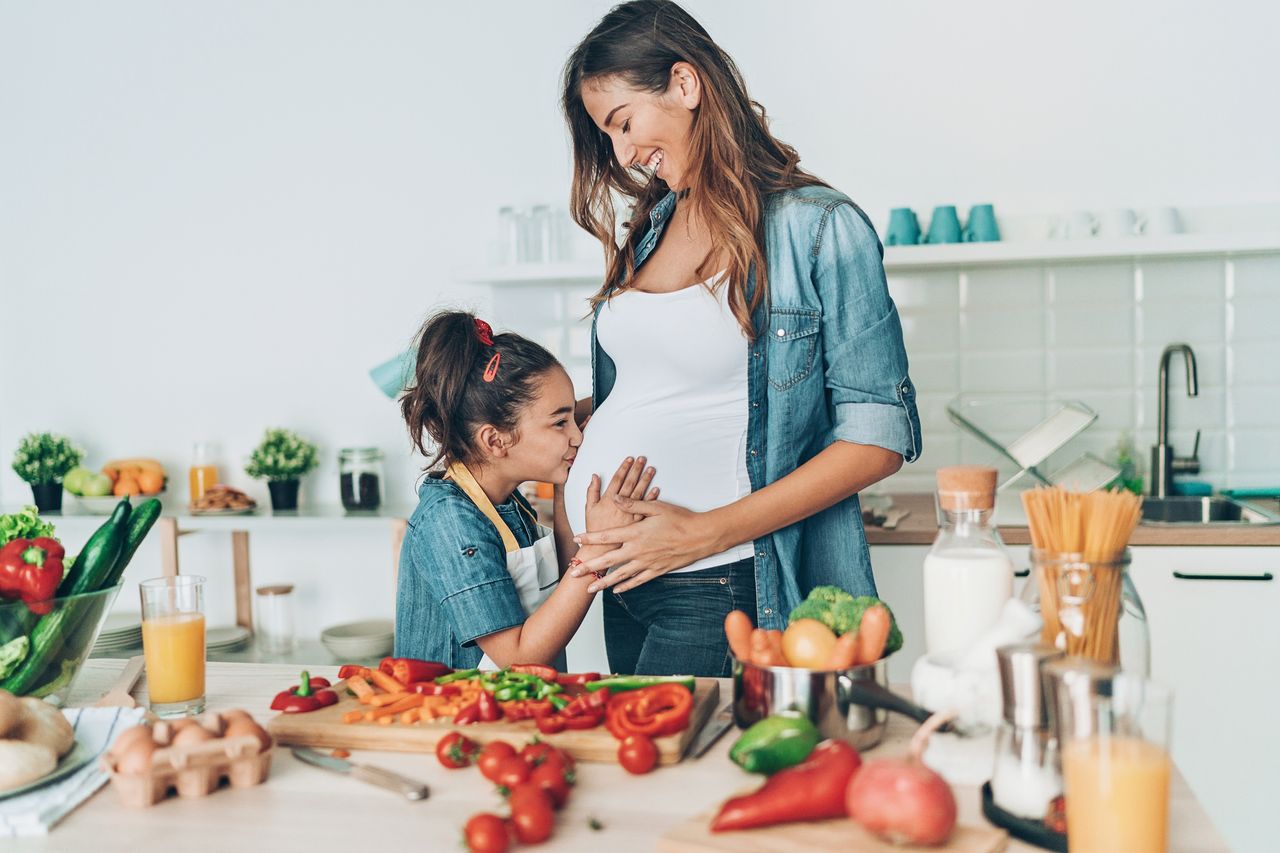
(372, 638)
(226, 639)
(121, 632)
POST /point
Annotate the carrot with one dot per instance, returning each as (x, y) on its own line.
(353, 716)
(410, 716)
(386, 682)
(873, 633)
(341, 753)
(775, 643)
(360, 687)
(737, 628)
(383, 699)
(412, 701)
(762, 651)
(845, 651)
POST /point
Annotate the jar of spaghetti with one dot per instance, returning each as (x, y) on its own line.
(1090, 608)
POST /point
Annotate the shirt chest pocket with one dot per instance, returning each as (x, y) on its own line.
(793, 344)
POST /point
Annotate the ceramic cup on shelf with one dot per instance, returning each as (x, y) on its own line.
(944, 225)
(1121, 222)
(1080, 225)
(1164, 220)
(981, 226)
(904, 228)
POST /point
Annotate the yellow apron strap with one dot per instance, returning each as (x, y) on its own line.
(460, 475)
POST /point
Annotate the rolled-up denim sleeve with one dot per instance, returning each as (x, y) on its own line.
(465, 567)
(863, 354)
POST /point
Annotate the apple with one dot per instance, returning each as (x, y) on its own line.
(73, 482)
(96, 485)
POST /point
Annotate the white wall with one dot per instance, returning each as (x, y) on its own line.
(217, 217)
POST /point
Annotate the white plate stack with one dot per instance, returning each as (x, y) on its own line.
(121, 632)
(226, 639)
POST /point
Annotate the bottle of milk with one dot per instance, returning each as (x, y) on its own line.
(967, 574)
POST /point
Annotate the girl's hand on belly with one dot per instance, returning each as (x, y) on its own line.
(666, 537)
(631, 481)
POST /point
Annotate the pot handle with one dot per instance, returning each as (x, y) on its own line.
(872, 695)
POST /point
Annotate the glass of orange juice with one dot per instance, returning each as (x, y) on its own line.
(1116, 767)
(204, 469)
(173, 644)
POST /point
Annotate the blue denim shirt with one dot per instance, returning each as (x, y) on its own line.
(828, 364)
(453, 584)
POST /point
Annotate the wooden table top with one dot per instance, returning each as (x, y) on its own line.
(301, 808)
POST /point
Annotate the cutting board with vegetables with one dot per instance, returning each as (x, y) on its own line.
(695, 836)
(325, 728)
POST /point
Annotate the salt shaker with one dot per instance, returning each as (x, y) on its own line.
(274, 619)
(1026, 777)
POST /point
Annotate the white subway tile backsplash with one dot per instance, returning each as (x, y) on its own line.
(1253, 406)
(940, 449)
(930, 331)
(934, 373)
(1255, 478)
(933, 411)
(1091, 284)
(937, 291)
(1117, 410)
(1002, 287)
(1211, 367)
(1253, 450)
(1075, 369)
(1166, 323)
(1206, 411)
(1001, 329)
(1256, 276)
(1096, 326)
(1254, 318)
(1002, 372)
(1179, 281)
(1255, 363)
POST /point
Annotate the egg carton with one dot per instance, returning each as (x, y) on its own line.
(192, 770)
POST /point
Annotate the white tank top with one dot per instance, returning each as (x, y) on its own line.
(680, 399)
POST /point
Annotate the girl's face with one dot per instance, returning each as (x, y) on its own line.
(650, 131)
(547, 437)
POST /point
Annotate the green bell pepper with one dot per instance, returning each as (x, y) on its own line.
(622, 683)
(775, 743)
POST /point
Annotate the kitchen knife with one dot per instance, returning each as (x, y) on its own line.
(711, 731)
(365, 773)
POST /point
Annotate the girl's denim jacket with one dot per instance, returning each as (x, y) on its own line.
(827, 364)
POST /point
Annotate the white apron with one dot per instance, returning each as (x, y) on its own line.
(535, 570)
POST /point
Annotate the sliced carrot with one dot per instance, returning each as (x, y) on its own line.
(426, 714)
(385, 682)
(410, 716)
(353, 716)
(386, 721)
(873, 633)
(412, 701)
(360, 687)
(341, 753)
(737, 629)
(383, 699)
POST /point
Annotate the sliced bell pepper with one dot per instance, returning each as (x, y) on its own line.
(309, 695)
(487, 708)
(622, 683)
(576, 679)
(550, 724)
(459, 675)
(431, 688)
(30, 570)
(349, 669)
(546, 673)
(654, 711)
(467, 715)
(409, 670)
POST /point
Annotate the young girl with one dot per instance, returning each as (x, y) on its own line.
(478, 574)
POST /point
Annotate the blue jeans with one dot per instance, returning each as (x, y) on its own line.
(674, 624)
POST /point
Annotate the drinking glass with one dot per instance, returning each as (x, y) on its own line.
(1116, 765)
(173, 644)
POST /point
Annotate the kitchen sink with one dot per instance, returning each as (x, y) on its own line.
(1215, 510)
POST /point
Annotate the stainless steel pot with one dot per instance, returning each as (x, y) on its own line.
(848, 704)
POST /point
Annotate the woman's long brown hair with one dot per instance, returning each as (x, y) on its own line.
(734, 160)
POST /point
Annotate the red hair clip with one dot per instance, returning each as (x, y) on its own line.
(484, 332)
(491, 369)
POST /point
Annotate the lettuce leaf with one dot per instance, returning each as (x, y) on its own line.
(25, 524)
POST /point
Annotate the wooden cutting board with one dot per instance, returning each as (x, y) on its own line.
(324, 728)
(695, 836)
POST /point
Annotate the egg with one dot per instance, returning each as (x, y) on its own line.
(244, 725)
(191, 735)
(133, 749)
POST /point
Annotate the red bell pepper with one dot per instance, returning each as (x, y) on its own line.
(576, 679)
(487, 707)
(30, 570)
(585, 721)
(409, 670)
(309, 695)
(467, 715)
(812, 790)
(549, 724)
(546, 673)
(430, 688)
(349, 669)
(662, 709)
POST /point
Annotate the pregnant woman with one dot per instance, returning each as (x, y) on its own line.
(744, 340)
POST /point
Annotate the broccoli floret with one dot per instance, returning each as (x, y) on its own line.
(842, 613)
(828, 593)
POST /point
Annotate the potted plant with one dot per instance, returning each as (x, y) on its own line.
(42, 460)
(281, 459)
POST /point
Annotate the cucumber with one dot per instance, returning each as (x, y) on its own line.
(99, 554)
(141, 520)
(92, 567)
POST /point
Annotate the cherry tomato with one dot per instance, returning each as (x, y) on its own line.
(512, 771)
(552, 777)
(455, 750)
(637, 754)
(536, 752)
(493, 754)
(486, 833)
(531, 814)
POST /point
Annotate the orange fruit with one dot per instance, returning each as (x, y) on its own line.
(150, 481)
(807, 643)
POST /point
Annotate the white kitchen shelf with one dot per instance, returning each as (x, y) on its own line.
(957, 255)
(310, 518)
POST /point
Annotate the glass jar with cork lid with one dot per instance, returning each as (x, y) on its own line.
(360, 478)
(968, 576)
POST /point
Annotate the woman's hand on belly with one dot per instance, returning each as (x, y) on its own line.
(667, 537)
(631, 481)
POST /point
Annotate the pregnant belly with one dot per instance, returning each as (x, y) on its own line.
(697, 464)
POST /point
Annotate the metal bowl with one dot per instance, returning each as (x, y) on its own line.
(846, 704)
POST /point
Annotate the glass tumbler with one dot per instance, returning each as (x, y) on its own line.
(173, 644)
(274, 619)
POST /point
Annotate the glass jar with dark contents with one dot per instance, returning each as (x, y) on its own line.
(360, 475)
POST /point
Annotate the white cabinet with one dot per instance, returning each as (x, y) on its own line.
(1216, 642)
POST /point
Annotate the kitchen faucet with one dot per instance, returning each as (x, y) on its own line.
(1163, 461)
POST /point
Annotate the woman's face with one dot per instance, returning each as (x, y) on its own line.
(648, 130)
(547, 437)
